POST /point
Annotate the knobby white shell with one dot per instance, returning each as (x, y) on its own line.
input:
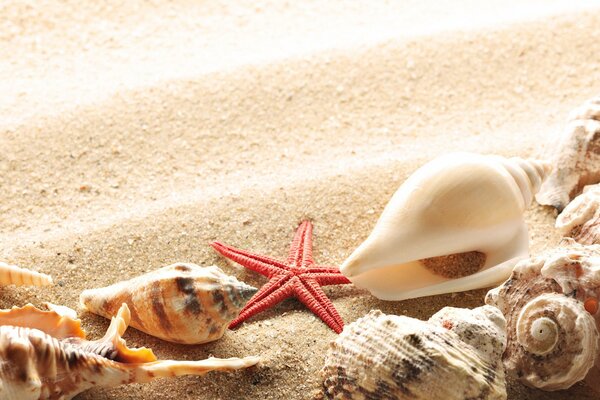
(182, 302)
(457, 354)
(576, 159)
(458, 203)
(13, 275)
(551, 307)
(581, 218)
(44, 355)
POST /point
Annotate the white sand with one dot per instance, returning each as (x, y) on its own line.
(131, 137)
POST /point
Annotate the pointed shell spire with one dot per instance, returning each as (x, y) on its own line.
(13, 275)
(457, 354)
(456, 224)
(182, 303)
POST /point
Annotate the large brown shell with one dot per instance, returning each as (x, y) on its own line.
(577, 157)
(581, 218)
(455, 355)
(550, 304)
(44, 356)
(182, 303)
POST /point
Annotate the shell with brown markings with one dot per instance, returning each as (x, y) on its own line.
(44, 355)
(182, 303)
(457, 354)
(551, 307)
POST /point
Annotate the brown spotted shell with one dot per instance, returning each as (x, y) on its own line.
(581, 218)
(457, 354)
(551, 307)
(44, 355)
(182, 303)
(577, 157)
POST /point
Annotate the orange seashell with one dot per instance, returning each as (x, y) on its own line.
(181, 303)
(46, 356)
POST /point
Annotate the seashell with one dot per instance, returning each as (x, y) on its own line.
(456, 224)
(13, 275)
(551, 307)
(581, 218)
(44, 355)
(576, 158)
(457, 354)
(181, 303)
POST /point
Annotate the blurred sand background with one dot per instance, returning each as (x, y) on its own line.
(132, 136)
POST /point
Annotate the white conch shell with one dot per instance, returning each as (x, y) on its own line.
(181, 303)
(551, 307)
(13, 275)
(576, 158)
(581, 218)
(457, 354)
(457, 203)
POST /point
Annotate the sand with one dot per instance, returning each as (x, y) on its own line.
(131, 137)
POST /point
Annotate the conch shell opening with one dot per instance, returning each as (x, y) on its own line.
(456, 224)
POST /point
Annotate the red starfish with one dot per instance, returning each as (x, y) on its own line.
(297, 277)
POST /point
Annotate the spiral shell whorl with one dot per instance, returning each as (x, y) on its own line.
(181, 303)
(563, 338)
(528, 175)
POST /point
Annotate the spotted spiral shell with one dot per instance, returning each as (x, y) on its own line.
(182, 303)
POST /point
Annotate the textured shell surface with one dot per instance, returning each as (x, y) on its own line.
(44, 355)
(455, 355)
(182, 303)
(551, 307)
(13, 275)
(576, 157)
(581, 218)
(456, 224)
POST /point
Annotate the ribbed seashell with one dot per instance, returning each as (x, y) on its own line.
(551, 307)
(457, 354)
(581, 218)
(456, 224)
(44, 355)
(576, 159)
(182, 303)
(13, 275)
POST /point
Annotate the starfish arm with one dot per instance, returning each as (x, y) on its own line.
(257, 263)
(253, 308)
(300, 253)
(326, 279)
(315, 299)
(268, 288)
